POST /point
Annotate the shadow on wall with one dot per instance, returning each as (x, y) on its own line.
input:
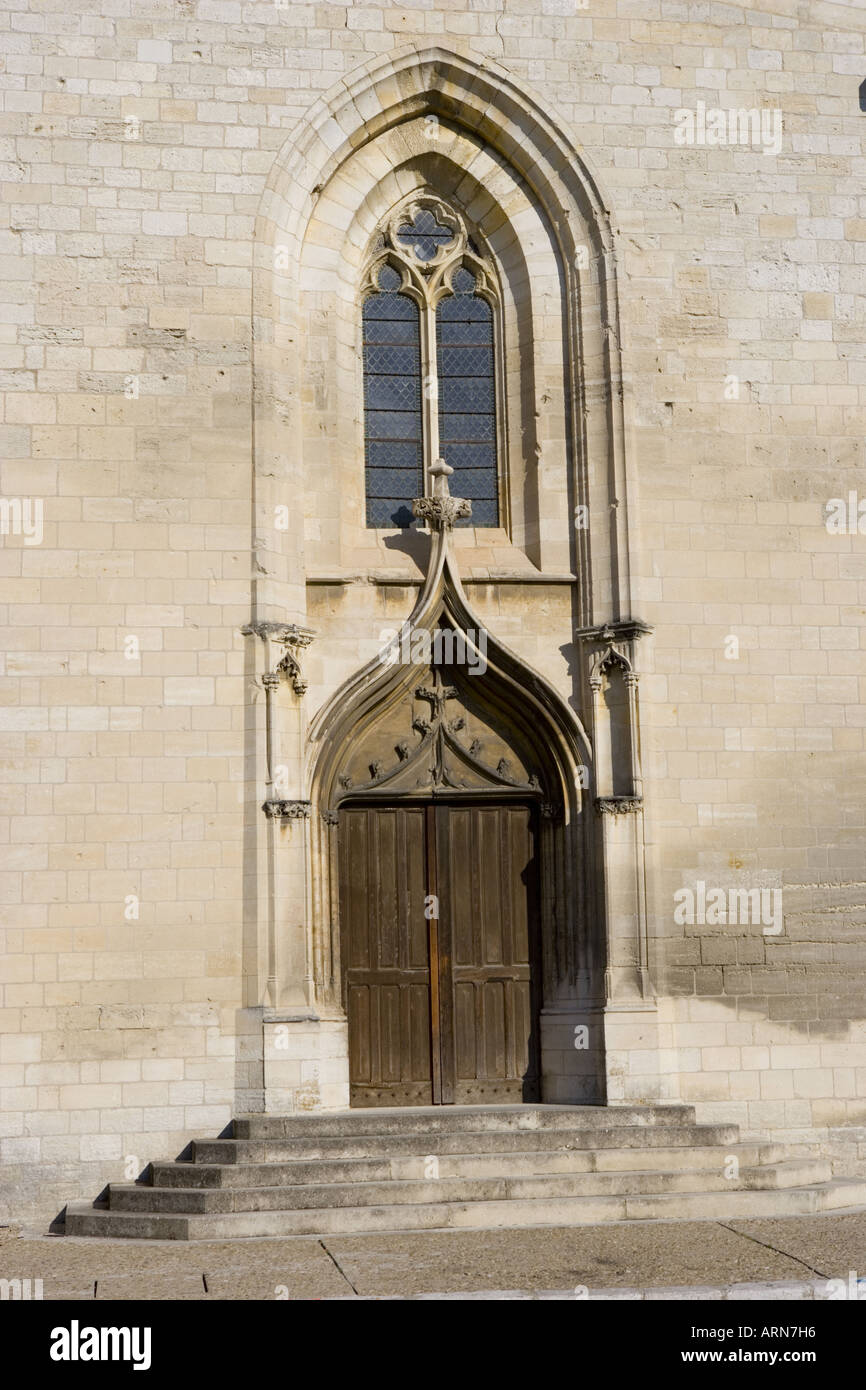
(793, 954)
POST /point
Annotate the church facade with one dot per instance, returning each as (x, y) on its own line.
(433, 571)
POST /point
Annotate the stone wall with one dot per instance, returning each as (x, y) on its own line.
(138, 148)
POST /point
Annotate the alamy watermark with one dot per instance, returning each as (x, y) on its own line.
(77, 1343)
(22, 516)
(715, 907)
(846, 516)
(20, 1290)
(415, 646)
(716, 125)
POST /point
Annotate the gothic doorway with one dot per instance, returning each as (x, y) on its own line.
(447, 778)
(440, 951)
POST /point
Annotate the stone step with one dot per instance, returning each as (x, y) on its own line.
(457, 1165)
(429, 1120)
(375, 1145)
(839, 1193)
(137, 1197)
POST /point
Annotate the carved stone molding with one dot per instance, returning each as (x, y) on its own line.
(618, 805)
(621, 630)
(444, 757)
(441, 511)
(614, 644)
(331, 817)
(440, 731)
(426, 273)
(293, 638)
(286, 810)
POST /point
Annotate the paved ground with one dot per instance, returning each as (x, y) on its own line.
(629, 1255)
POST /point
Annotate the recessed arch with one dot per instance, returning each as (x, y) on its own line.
(514, 136)
(515, 739)
(430, 118)
(533, 359)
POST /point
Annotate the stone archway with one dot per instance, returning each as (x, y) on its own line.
(525, 181)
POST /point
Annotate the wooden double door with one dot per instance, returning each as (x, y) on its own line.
(440, 952)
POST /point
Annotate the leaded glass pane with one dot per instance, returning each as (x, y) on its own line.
(469, 427)
(462, 456)
(392, 402)
(483, 514)
(467, 396)
(380, 331)
(425, 235)
(471, 394)
(389, 278)
(476, 482)
(381, 481)
(394, 430)
(394, 453)
(478, 361)
(388, 512)
(463, 281)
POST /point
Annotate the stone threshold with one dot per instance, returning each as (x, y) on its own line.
(789, 1291)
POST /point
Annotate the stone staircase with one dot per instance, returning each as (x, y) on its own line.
(462, 1167)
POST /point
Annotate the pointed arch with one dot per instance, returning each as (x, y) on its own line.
(553, 745)
(422, 117)
(543, 750)
(448, 93)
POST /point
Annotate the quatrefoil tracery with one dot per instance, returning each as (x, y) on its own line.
(426, 242)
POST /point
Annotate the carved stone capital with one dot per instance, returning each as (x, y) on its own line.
(620, 630)
(618, 805)
(293, 638)
(612, 645)
(441, 512)
(331, 817)
(286, 810)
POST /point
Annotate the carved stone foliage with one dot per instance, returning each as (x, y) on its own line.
(293, 639)
(618, 805)
(286, 810)
(441, 511)
(612, 645)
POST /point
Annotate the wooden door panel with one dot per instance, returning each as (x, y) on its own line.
(490, 904)
(386, 966)
(467, 1031)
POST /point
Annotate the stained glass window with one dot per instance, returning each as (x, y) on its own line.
(392, 402)
(425, 235)
(429, 368)
(467, 396)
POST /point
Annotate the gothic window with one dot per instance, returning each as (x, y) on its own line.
(430, 367)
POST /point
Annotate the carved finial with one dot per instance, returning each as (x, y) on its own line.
(440, 509)
(440, 472)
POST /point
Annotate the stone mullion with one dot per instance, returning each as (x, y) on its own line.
(430, 373)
